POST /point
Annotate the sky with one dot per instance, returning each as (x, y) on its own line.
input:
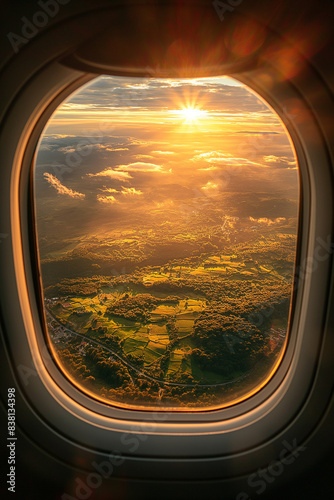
(148, 144)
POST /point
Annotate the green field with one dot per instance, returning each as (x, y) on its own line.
(166, 326)
(153, 323)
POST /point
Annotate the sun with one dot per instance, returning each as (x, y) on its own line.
(190, 114)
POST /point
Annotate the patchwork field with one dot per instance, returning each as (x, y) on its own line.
(161, 325)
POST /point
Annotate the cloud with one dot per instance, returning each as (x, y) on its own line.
(61, 189)
(109, 190)
(67, 149)
(73, 106)
(163, 152)
(131, 191)
(209, 156)
(233, 161)
(112, 93)
(223, 159)
(210, 187)
(108, 148)
(165, 204)
(279, 159)
(257, 132)
(139, 167)
(109, 172)
(144, 157)
(268, 222)
(208, 169)
(106, 199)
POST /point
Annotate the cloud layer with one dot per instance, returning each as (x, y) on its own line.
(128, 151)
(60, 188)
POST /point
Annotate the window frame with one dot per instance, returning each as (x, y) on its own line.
(247, 433)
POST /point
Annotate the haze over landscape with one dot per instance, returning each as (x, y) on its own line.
(167, 218)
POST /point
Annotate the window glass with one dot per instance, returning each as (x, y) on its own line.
(166, 214)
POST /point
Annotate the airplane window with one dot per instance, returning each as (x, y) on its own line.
(166, 213)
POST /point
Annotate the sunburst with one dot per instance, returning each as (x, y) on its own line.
(191, 114)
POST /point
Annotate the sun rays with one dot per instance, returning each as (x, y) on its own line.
(191, 114)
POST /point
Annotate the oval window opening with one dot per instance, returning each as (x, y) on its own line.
(166, 214)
